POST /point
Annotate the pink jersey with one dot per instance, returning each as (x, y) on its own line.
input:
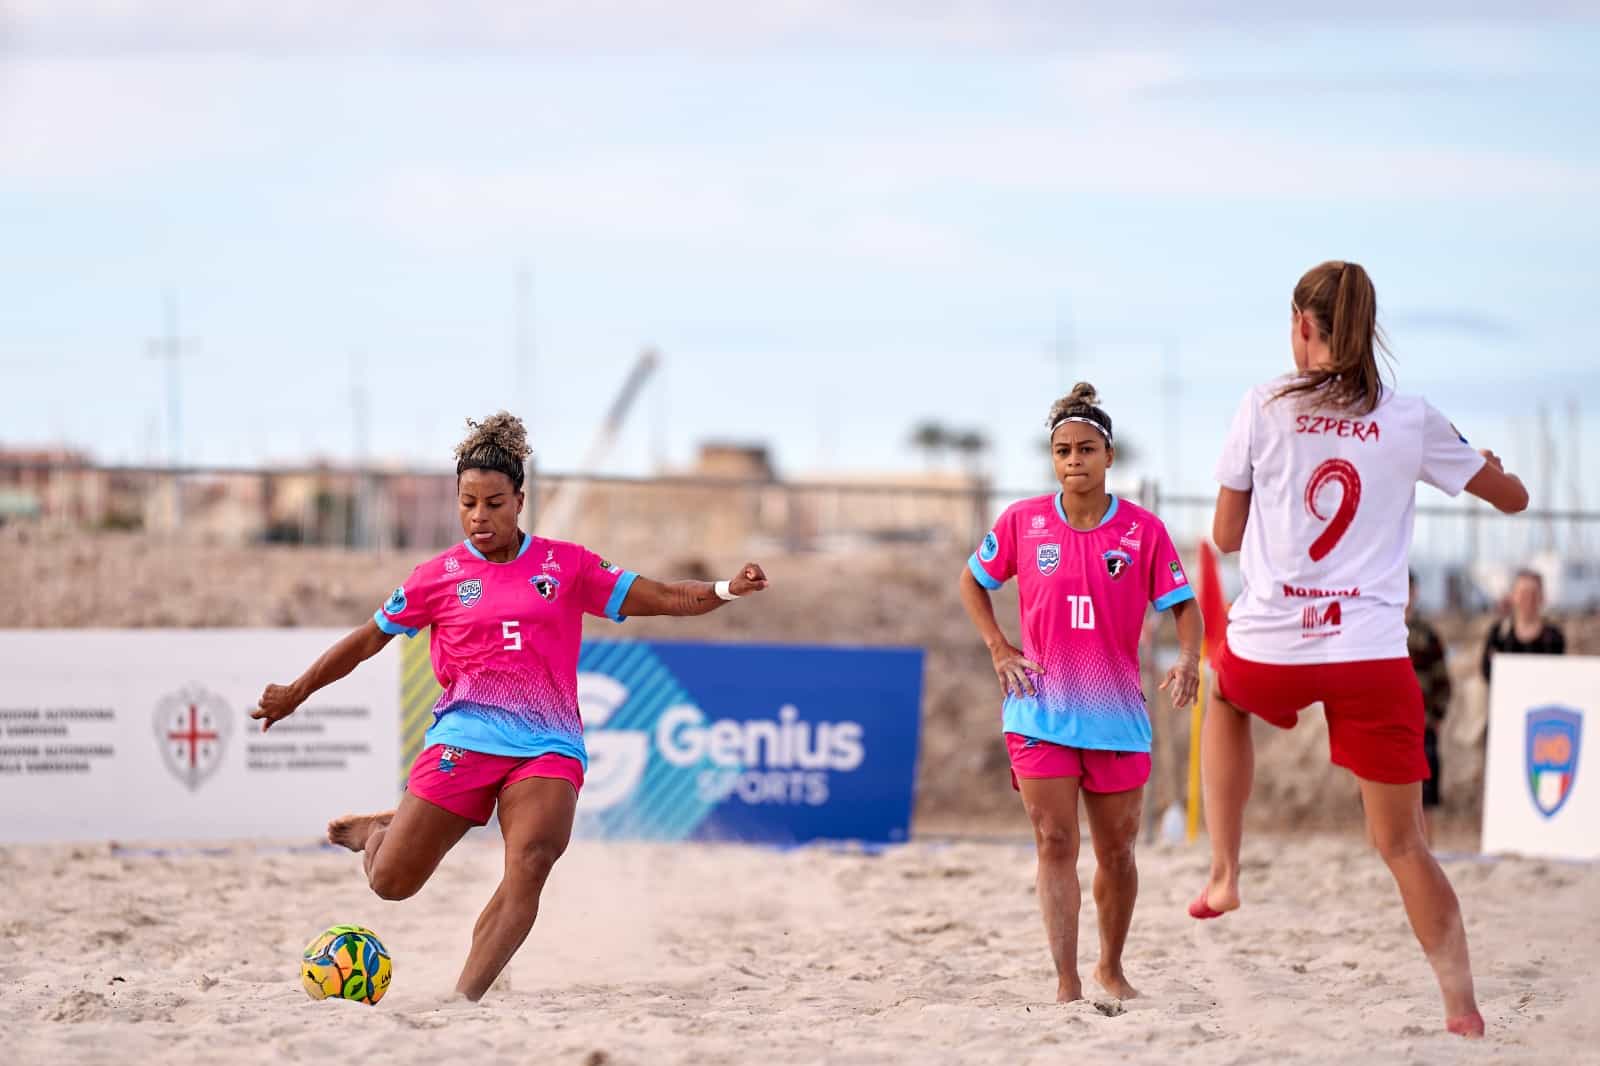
(1083, 595)
(505, 642)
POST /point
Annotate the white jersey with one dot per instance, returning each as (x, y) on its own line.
(1333, 498)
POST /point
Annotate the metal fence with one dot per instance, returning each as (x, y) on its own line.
(1465, 549)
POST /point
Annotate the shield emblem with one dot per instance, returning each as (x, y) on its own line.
(1048, 558)
(192, 727)
(545, 585)
(1553, 736)
(1117, 561)
(469, 592)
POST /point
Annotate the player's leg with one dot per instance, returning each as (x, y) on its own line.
(1227, 762)
(1114, 829)
(400, 848)
(1394, 819)
(1052, 805)
(536, 820)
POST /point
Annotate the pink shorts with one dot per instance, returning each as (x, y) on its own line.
(468, 782)
(1098, 771)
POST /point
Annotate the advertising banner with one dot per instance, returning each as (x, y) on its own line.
(145, 735)
(1542, 778)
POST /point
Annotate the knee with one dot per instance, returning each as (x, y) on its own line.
(391, 884)
(1056, 842)
(533, 860)
(1114, 856)
(1399, 843)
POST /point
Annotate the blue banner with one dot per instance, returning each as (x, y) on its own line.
(774, 744)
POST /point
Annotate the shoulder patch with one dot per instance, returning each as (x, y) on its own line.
(990, 547)
(396, 603)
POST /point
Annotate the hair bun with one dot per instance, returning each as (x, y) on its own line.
(1083, 392)
(502, 431)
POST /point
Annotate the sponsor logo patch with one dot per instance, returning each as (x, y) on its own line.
(469, 592)
(550, 561)
(545, 585)
(1321, 621)
(990, 547)
(610, 567)
(1117, 561)
(395, 604)
(1048, 557)
(1178, 577)
(1552, 756)
(451, 564)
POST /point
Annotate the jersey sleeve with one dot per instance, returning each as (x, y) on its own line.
(1169, 585)
(1448, 461)
(407, 609)
(1233, 467)
(602, 586)
(995, 561)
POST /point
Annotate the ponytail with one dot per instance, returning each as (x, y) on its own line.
(1342, 304)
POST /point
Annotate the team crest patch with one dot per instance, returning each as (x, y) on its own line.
(1117, 561)
(469, 592)
(990, 548)
(1048, 557)
(396, 603)
(545, 585)
(1178, 577)
(1552, 752)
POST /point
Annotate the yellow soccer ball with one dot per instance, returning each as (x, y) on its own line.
(346, 962)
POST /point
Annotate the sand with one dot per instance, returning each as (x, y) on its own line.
(929, 953)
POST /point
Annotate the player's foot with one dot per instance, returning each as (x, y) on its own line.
(1069, 991)
(1467, 1025)
(1115, 984)
(352, 830)
(1215, 900)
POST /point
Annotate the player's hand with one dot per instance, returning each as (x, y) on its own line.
(1492, 459)
(276, 703)
(1014, 671)
(750, 579)
(1183, 680)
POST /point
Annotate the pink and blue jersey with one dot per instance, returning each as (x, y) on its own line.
(505, 640)
(1083, 595)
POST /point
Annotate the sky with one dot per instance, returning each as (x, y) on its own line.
(835, 219)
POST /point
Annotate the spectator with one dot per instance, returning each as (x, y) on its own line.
(1525, 629)
(1433, 677)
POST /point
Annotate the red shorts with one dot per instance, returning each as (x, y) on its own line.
(1373, 707)
(468, 782)
(1098, 771)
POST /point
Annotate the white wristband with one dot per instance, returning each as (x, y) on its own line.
(723, 591)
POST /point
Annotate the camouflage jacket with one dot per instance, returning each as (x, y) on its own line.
(1427, 659)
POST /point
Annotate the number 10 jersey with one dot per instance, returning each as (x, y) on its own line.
(1332, 505)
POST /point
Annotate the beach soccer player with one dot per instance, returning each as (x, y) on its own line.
(1318, 491)
(506, 614)
(1088, 565)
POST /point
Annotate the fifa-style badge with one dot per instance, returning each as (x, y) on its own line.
(396, 604)
(1117, 561)
(469, 592)
(1048, 557)
(545, 585)
(1553, 736)
(1178, 577)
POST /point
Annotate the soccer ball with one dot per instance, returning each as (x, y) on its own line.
(346, 962)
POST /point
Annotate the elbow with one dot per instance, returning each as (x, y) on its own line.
(1227, 540)
(1516, 501)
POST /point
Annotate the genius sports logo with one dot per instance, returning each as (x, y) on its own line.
(1553, 736)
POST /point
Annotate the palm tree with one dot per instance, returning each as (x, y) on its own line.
(970, 444)
(931, 438)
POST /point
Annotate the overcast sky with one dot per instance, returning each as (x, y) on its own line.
(836, 219)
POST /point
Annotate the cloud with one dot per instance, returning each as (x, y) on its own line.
(553, 26)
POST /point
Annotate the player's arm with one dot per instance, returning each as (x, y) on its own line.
(687, 598)
(361, 644)
(1009, 664)
(1183, 679)
(1227, 524)
(1502, 491)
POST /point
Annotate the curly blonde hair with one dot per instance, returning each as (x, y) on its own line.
(499, 442)
(1080, 403)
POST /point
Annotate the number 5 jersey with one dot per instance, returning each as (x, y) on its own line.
(1333, 498)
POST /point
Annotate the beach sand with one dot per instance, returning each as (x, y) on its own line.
(928, 953)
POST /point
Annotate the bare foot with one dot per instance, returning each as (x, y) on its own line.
(1467, 1025)
(1220, 896)
(1115, 984)
(352, 830)
(1068, 991)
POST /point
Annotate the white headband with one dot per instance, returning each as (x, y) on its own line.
(1064, 419)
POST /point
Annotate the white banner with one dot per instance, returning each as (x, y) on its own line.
(1542, 778)
(145, 735)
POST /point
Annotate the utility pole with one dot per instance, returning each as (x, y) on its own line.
(1171, 384)
(361, 519)
(170, 347)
